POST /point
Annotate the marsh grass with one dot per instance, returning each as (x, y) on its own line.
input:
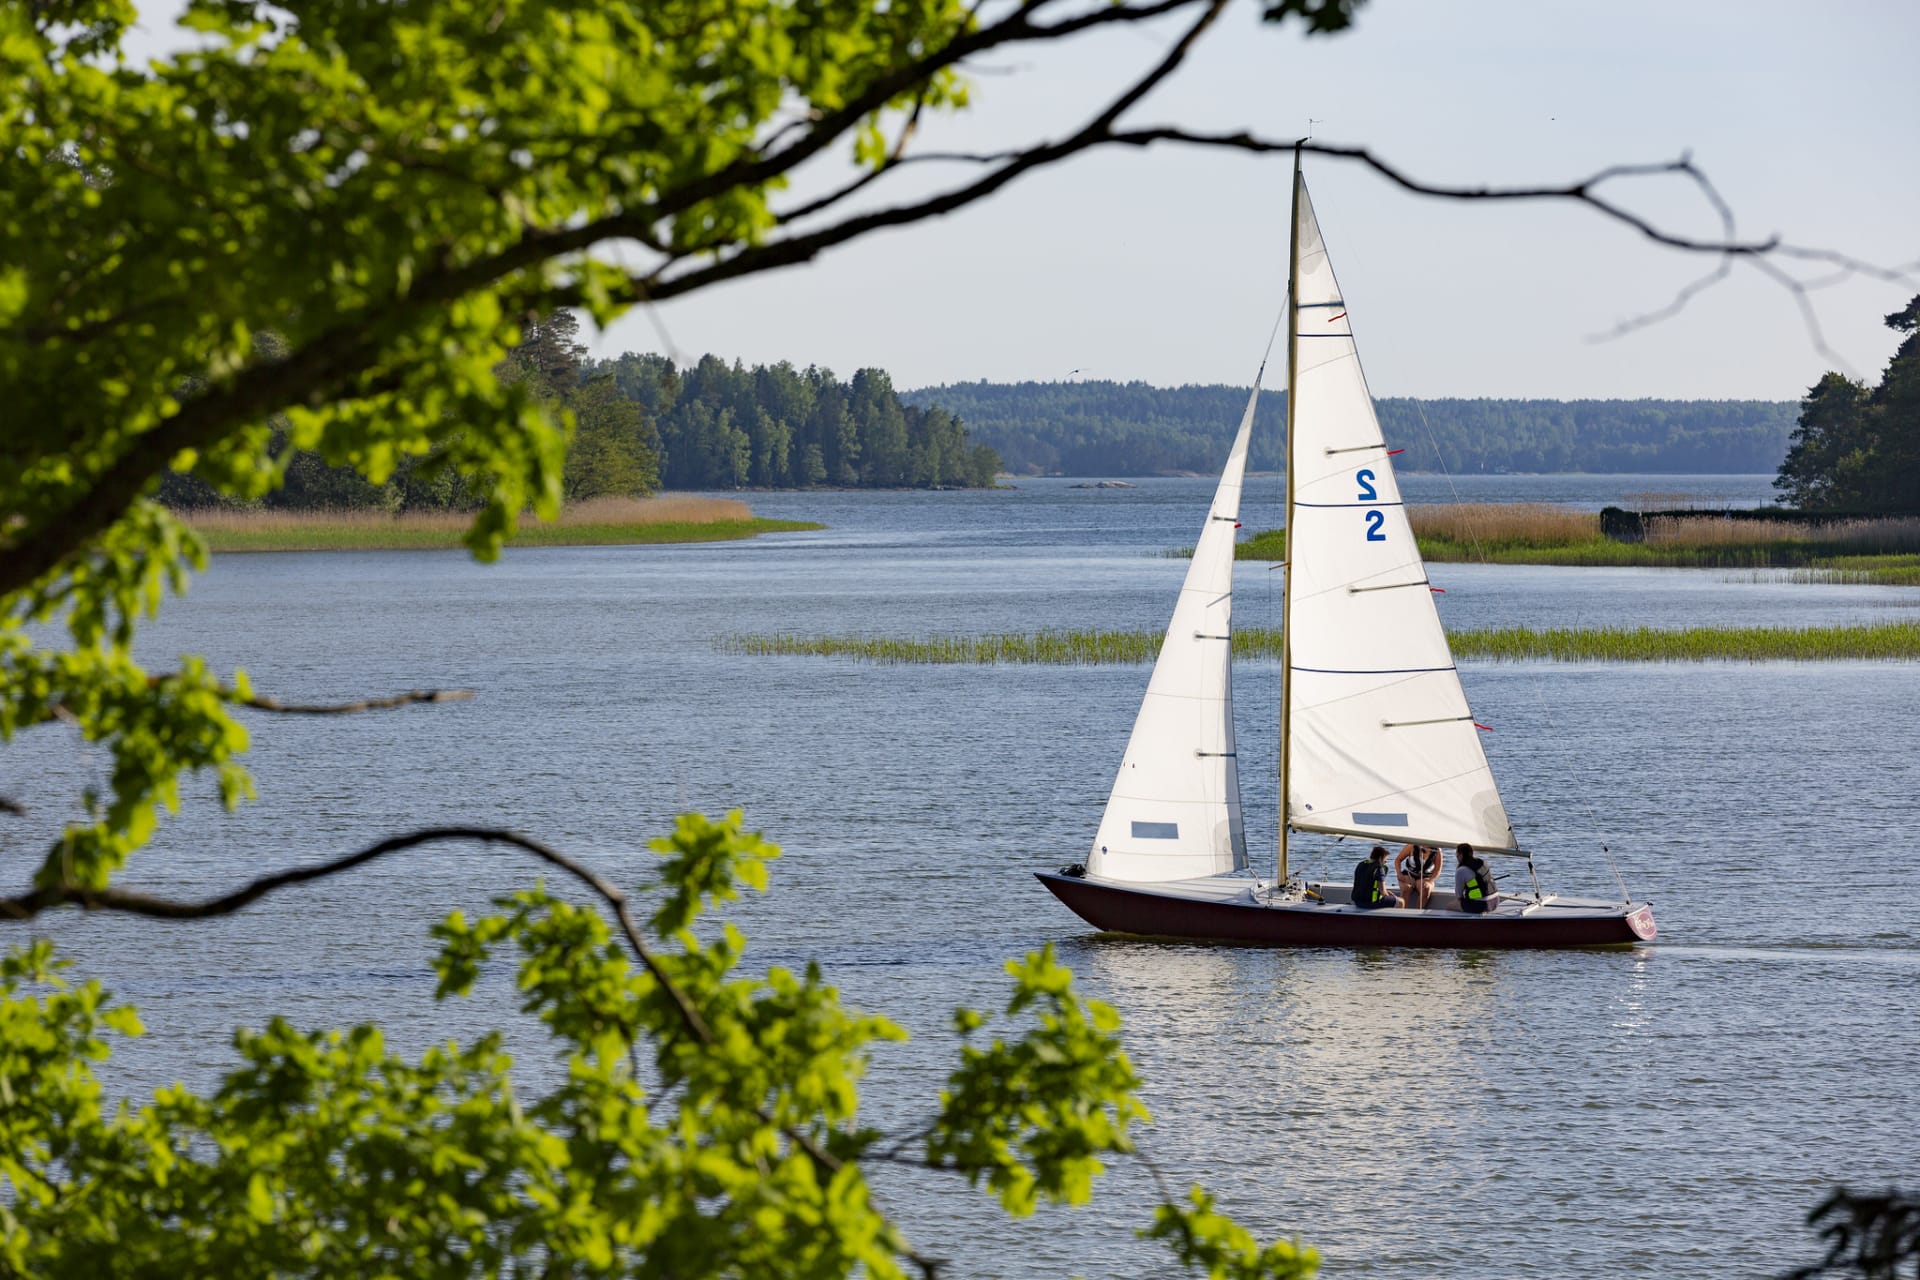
(1841, 537)
(1881, 642)
(1885, 642)
(1883, 552)
(599, 522)
(1497, 525)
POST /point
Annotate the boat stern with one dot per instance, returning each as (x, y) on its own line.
(1640, 920)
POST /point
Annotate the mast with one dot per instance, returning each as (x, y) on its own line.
(1286, 581)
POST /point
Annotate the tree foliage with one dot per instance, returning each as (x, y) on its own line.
(1857, 448)
(301, 252)
(706, 1121)
(336, 247)
(772, 426)
(1110, 428)
(613, 449)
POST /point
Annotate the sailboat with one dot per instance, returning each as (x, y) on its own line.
(1377, 741)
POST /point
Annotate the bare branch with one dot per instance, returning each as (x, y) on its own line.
(27, 905)
(1902, 275)
(1011, 164)
(1680, 300)
(1816, 334)
(893, 158)
(1693, 289)
(1016, 28)
(1581, 191)
(259, 703)
(802, 248)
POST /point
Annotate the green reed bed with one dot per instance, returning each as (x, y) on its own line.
(1881, 642)
(1877, 642)
(1053, 647)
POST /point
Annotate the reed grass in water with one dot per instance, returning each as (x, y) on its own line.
(1883, 642)
(597, 522)
(1882, 552)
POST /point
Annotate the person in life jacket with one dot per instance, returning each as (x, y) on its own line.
(1473, 882)
(1418, 867)
(1370, 882)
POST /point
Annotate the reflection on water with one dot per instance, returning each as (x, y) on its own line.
(1668, 1110)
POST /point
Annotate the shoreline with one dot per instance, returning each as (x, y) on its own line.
(594, 522)
(322, 535)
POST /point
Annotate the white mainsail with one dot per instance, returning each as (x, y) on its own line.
(1381, 741)
(1174, 812)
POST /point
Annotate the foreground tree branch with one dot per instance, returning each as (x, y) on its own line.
(358, 350)
(32, 903)
(1870, 1236)
(260, 702)
(26, 906)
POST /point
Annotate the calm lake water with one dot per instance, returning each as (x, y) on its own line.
(1671, 1110)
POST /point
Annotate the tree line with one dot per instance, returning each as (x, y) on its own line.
(641, 423)
(1131, 428)
(728, 426)
(1857, 448)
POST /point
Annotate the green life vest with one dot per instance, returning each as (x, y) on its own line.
(1368, 879)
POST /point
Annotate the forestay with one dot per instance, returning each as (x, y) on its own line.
(1174, 812)
(1382, 742)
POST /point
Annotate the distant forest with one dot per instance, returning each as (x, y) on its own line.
(641, 423)
(1124, 429)
(727, 426)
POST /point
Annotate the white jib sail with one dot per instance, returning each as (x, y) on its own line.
(1382, 742)
(1174, 812)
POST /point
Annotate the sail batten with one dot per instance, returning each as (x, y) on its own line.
(1380, 740)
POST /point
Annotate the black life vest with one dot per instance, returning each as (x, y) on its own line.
(1368, 878)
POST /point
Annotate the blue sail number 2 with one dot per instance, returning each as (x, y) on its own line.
(1375, 519)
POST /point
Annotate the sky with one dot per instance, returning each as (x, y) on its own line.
(1169, 265)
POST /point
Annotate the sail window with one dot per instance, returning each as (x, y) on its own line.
(1165, 830)
(1375, 820)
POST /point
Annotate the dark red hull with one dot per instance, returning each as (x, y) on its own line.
(1155, 915)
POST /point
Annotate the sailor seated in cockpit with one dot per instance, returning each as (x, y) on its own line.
(1473, 882)
(1370, 882)
(1418, 867)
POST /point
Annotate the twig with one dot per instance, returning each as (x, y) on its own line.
(62, 712)
(803, 248)
(27, 905)
(1686, 294)
(259, 703)
(1808, 316)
